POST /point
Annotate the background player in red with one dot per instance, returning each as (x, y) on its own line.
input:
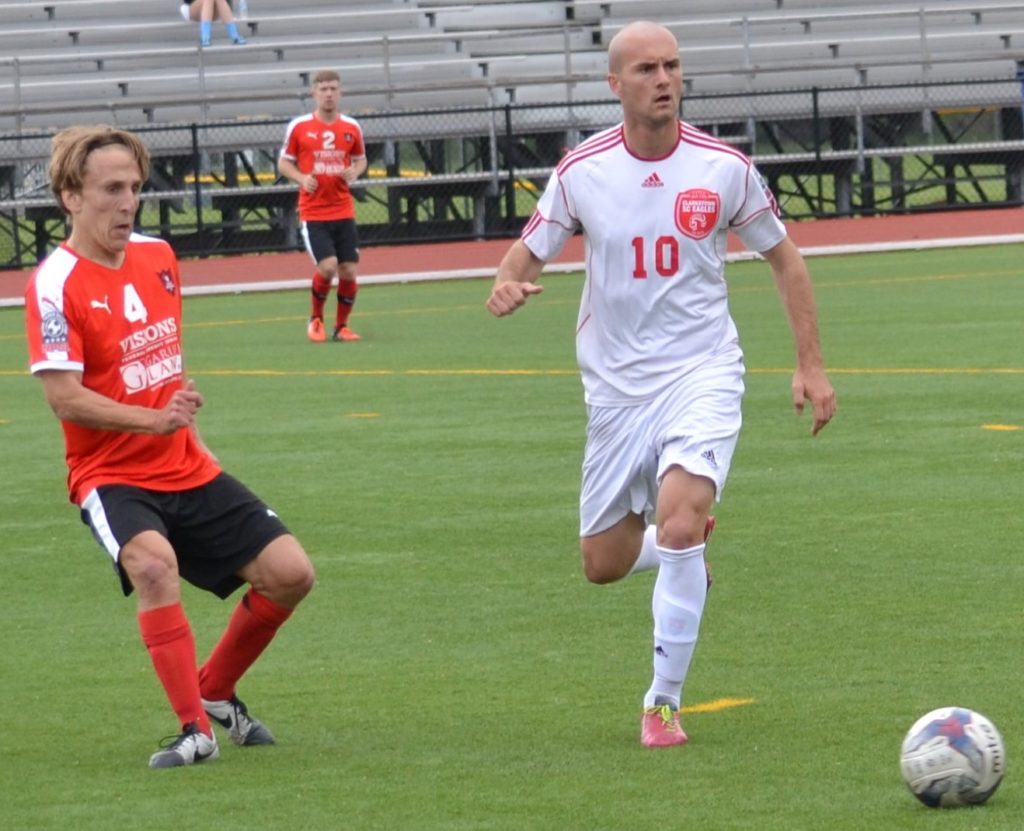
(323, 153)
(103, 319)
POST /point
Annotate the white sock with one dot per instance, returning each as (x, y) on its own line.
(677, 605)
(648, 557)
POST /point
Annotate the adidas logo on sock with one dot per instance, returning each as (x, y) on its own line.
(653, 181)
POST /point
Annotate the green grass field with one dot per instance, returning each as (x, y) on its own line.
(453, 670)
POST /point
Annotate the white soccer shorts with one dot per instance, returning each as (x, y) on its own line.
(695, 424)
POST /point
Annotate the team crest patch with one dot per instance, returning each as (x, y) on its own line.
(167, 280)
(697, 212)
(55, 330)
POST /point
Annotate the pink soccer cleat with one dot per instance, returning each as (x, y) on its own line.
(661, 727)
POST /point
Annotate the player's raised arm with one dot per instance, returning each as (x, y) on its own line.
(516, 280)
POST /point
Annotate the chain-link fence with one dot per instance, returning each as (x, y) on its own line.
(475, 173)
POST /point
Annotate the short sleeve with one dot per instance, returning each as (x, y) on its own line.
(553, 222)
(757, 222)
(54, 342)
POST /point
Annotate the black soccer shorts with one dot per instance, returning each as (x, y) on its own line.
(214, 529)
(336, 238)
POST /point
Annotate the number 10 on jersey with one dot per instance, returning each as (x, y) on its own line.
(664, 252)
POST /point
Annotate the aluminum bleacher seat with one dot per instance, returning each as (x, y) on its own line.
(509, 14)
(803, 44)
(59, 11)
(79, 57)
(469, 53)
(664, 9)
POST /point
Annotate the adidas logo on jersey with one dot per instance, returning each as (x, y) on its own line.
(653, 181)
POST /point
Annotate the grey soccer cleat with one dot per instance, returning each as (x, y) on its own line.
(191, 747)
(233, 716)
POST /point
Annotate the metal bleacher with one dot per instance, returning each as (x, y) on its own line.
(786, 43)
(517, 79)
(75, 60)
(81, 59)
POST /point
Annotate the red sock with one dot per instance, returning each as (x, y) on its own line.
(321, 288)
(252, 627)
(172, 648)
(347, 290)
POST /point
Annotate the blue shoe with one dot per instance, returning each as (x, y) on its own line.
(233, 33)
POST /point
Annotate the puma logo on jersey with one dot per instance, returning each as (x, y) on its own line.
(311, 135)
(96, 304)
(653, 181)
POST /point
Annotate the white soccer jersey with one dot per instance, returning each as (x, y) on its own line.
(655, 301)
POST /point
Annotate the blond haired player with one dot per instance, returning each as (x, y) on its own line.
(103, 319)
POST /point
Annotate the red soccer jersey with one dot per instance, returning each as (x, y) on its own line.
(120, 328)
(325, 150)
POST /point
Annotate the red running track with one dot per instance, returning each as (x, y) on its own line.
(485, 255)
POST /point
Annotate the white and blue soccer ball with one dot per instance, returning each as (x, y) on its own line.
(953, 756)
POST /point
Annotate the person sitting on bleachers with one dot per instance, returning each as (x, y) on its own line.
(205, 12)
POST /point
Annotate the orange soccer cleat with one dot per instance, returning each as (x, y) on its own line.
(315, 331)
(343, 333)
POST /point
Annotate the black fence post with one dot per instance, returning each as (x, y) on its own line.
(198, 188)
(816, 131)
(510, 185)
(1020, 80)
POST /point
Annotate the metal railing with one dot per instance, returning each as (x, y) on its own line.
(473, 173)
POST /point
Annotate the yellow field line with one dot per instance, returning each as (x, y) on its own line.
(559, 372)
(567, 372)
(718, 705)
(370, 373)
(884, 281)
(895, 370)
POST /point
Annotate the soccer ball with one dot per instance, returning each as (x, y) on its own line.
(953, 756)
